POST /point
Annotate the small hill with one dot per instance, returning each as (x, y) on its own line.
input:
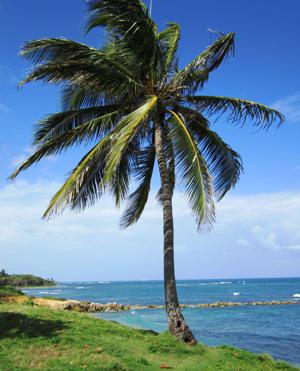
(24, 280)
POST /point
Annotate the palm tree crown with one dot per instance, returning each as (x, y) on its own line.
(114, 96)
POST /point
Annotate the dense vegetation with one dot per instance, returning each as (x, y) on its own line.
(23, 280)
(34, 337)
(9, 291)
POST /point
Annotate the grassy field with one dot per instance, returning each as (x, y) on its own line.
(38, 338)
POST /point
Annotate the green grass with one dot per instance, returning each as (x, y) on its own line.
(38, 338)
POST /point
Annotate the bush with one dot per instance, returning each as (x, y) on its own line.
(9, 290)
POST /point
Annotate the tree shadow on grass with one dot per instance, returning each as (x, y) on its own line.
(17, 325)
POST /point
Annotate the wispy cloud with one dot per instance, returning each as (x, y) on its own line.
(252, 232)
(289, 106)
(264, 237)
(262, 220)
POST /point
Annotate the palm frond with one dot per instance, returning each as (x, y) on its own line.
(192, 169)
(138, 199)
(196, 73)
(87, 182)
(94, 77)
(225, 165)
(50, 49)
(129, 22)
(169, 40)
(119, 184)
(239, 110)
(92, 120)
(52, 143)
(84, 185)
(195, 119)
(54, 50)
(129, 125)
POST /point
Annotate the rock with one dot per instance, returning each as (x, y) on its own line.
(164, 365)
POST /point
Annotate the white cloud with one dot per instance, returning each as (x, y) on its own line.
(270, 239)
(289, 106)
(252, 232)
(263, 219)
(267, 220)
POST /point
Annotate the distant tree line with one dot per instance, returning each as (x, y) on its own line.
(23, 280)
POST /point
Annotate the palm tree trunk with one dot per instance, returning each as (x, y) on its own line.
(176, 322)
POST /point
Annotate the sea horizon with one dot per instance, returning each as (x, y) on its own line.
(182, 279)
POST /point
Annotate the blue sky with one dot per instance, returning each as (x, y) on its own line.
(257, 230)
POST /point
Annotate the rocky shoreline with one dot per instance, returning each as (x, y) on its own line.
(90, 307)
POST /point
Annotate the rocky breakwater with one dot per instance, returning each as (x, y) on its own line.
(224, 304)
(89, 307)
(95, 307)
(80, 306)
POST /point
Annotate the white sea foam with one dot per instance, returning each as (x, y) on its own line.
(204, 284)
(80, 287)
(296, 296)
(50, 292)
(236, 294)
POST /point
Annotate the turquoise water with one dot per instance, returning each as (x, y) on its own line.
(264, 329)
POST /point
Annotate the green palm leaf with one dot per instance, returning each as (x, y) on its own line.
(129, 22)
(225, 164)
(129, 125)
(91, 120)
(57, 142)
(138, 199)
(169, 39)
(84, 185)
(192, 169)
(196, 73)
(239, 109)
(43, 52)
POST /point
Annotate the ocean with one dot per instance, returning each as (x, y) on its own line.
(262, 329)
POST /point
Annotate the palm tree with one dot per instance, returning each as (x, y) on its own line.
(132, 102)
